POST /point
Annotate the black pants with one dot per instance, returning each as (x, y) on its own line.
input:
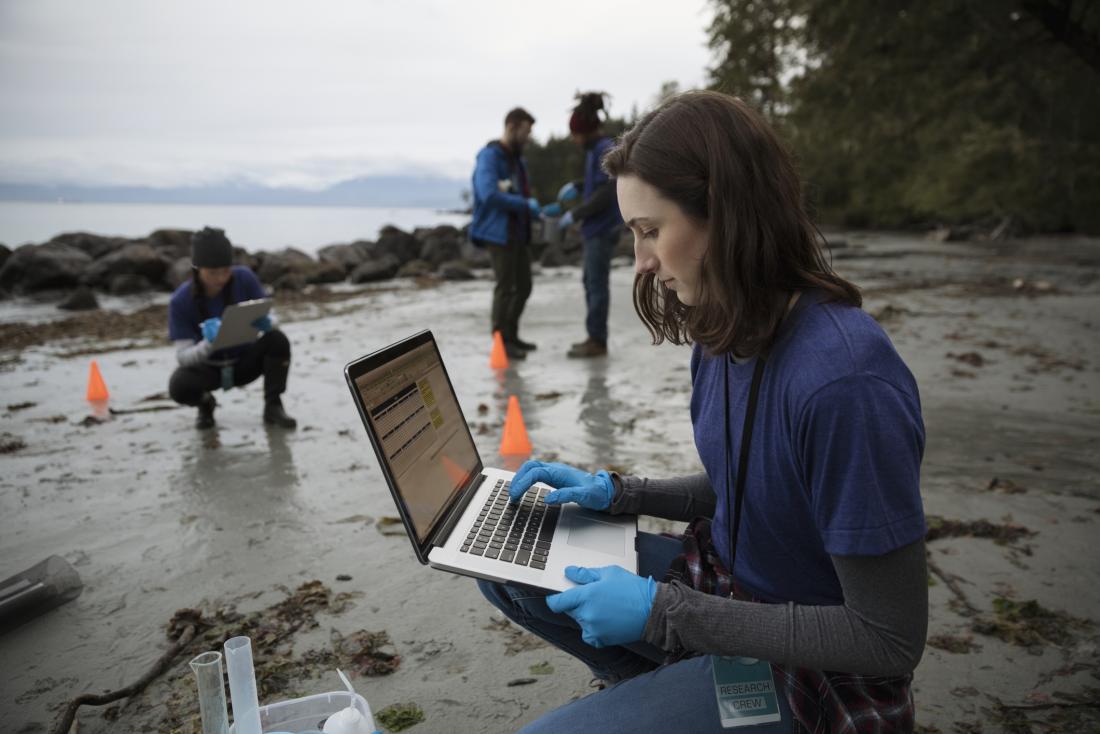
(512, 268)
(268, 356)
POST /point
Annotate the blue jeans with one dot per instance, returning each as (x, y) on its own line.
(646, 696)
(598, 252)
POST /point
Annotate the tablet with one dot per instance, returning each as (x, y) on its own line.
(237, 328)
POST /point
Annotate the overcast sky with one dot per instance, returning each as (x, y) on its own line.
(308, 93)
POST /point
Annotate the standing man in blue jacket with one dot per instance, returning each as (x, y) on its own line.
(503, 211)
(601, 223)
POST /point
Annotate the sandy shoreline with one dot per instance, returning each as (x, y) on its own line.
(157, 517)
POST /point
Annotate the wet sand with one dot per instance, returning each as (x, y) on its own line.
(157, 516)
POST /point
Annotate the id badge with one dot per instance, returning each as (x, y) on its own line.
(227, 377)
(745, 690)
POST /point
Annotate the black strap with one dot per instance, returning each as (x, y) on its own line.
(734, 521)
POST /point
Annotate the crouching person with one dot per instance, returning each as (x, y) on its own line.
(194, 317)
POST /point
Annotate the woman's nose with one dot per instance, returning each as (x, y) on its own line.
(644, 259)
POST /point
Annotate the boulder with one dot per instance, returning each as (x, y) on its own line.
(475, 257)
(178, 272)
(133, 259)
(94, 245)
(414, 269)
(455, 270)
(42, 267)
(325, 272)
(347, 257)
(438, 248)
(274, 265)
(396, 242)
(951, 234)
(124, 284)
(5, 253)
(561, 253)
(81, 299)
(382, 267)
(172, 244)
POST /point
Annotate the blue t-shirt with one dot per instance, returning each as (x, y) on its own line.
(594, 177)
(834, 465)
(184, 317)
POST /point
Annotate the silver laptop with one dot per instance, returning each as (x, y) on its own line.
(455, 509)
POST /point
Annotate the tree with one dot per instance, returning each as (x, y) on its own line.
(904, 113)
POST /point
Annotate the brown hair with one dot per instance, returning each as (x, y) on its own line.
(518, 115)
(720, 162)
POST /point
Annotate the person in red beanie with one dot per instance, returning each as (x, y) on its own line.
(598, 214)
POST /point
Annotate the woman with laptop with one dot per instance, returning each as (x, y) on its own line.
(194, 320)
(796, 600)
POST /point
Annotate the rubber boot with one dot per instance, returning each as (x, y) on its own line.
(274, 415)
(276, 370)
(205, 418)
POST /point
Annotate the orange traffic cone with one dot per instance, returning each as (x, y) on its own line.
(498, 358)
(515, 441)
(97, 388)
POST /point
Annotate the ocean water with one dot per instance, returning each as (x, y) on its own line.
(307, 228)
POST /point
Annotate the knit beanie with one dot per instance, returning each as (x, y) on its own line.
(210, 248)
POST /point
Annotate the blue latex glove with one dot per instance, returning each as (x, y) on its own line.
(533, 205)
(552, 210)
(210, 328)
(567, 219)
(611, 605)
(593, 491)
(568, 192)
(263, 324)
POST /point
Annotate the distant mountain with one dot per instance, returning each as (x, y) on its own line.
(388, 191)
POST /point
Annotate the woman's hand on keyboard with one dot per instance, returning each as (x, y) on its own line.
(593, 491)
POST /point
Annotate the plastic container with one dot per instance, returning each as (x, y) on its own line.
(309, 713)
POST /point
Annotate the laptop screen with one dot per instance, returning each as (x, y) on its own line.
(421, 432)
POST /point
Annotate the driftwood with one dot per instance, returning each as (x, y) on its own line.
(90, 699)
(952, 584)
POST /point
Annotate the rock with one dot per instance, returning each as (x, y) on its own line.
(81, 299)
(323, 272)
(274, 265)
(42, 267)
(381, 268)
(94, 245)
(475, 257)
(133, 259)
(951, 234)
(178, 272)
(171, 243)
(5, 253)
(125, 284)
(348, 257)
(556, 255)
(243, 257)
(455, 270)
(441, 247)
(414, 269)
(398, 243)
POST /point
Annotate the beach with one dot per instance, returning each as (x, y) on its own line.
(158, 517)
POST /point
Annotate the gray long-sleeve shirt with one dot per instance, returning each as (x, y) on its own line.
(879, 629)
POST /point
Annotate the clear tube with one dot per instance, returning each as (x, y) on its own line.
(208, 674)
(242, 686)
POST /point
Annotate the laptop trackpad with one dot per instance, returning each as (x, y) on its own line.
(589, 533)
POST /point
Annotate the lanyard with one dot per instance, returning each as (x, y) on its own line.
(734, 521)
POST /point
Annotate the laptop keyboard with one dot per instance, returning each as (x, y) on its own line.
(510, 533)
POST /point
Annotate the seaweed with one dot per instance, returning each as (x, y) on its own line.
(1002, 534)
(400, 716)
(1029, 624)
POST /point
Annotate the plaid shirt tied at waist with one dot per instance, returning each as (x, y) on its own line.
(823, 702)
